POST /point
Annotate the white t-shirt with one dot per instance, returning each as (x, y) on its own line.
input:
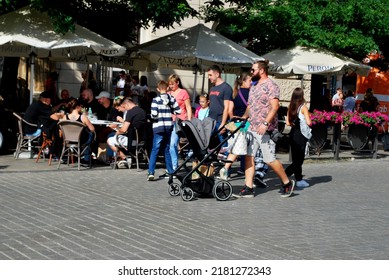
(121, 83)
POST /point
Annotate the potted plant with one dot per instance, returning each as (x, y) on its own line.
(362, 127)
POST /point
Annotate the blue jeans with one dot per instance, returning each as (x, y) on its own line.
(88, 151)
(109, 150)
(36, 133)
(161, 140)
(174, 139)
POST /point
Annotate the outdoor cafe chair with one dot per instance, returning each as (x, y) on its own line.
(25, 142)
(47, 143)
(72, 146)
(137, 149)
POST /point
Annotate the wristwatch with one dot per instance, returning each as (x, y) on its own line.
(266, 123)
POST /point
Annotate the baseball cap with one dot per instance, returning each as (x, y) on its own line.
(103, 94)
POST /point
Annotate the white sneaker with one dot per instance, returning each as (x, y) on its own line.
(302, 184)
(122, 164)
(223, 174)
(129, 162)
(150, 177)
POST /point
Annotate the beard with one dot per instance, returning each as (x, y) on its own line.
(255, 77)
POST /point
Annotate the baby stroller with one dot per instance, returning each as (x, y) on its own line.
(204, 146)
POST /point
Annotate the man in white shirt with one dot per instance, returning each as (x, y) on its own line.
(120, 83)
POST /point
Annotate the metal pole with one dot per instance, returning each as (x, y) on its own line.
(194, 87)
(32, 69)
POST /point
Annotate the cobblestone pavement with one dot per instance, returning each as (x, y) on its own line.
(101, 213)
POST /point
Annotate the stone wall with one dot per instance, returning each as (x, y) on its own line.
(288, 84)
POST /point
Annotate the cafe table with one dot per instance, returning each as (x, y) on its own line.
(104, 122)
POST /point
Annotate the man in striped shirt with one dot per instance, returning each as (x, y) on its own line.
(162, 108)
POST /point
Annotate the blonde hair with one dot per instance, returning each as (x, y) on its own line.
(162, 85)
(175, 79)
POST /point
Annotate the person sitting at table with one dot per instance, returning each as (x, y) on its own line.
(108, 157)
(74, 107)
(63, 102)
(107, 112)
(40, 113)
(88, 100)
(134, 117)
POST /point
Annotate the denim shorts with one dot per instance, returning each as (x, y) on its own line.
(263, 142)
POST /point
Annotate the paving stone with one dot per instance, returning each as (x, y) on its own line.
(101, 213)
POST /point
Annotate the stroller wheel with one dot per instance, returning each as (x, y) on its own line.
(174, 189)
(187, 194)
(222, 190)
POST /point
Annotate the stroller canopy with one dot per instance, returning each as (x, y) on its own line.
(201, 130)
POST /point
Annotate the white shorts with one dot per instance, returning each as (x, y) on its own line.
(263, 142)
(118, 140)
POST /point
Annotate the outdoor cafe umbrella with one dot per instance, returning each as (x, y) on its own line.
(28, 32)
(303, 60)
(196, 45)
(196, 48)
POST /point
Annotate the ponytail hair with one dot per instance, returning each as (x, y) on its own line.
(238, 83)
(73, 104)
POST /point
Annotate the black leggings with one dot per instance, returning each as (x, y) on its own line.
(297, 145)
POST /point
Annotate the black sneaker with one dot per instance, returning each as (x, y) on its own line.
(166, 176)
(287, 189)
(247, 192)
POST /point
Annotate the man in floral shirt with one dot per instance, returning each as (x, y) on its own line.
(262, 110)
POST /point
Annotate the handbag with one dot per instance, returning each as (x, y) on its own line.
(239, 146)
(306, 131)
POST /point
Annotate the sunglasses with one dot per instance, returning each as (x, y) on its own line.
(253, 70)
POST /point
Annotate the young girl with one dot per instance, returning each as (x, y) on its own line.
(202, 111)
(298, 118)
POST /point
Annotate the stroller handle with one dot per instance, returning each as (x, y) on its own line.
(242, 121)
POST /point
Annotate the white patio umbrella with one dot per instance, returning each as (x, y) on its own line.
(196, 48)
(28, 32)
(303, 60)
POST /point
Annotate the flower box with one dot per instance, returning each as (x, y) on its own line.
(348, 118)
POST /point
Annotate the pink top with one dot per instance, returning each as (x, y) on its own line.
(181, 96)
(259, 102)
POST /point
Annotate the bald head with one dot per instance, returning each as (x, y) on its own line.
(87, 95)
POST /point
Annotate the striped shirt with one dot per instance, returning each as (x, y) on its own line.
(162, 108)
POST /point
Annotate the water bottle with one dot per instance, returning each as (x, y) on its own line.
(90, 114)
